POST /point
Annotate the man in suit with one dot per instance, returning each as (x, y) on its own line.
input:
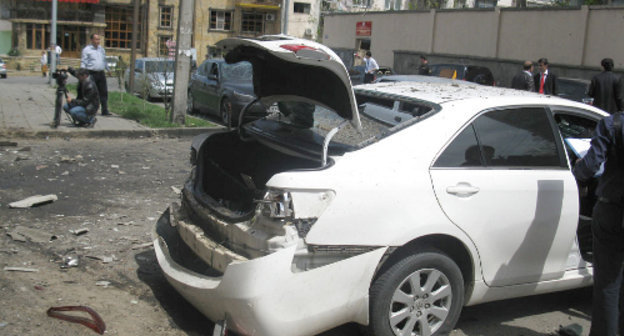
(545, 80)
(606, 89)
(524, 79)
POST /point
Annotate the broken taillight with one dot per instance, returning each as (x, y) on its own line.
(305, 51)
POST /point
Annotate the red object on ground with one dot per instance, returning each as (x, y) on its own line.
(97, 324)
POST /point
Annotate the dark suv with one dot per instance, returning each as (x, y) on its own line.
(471, 73)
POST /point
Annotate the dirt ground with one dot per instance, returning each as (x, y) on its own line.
(116, 189)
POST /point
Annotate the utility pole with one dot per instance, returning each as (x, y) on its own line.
(135, 33)
(53, 42)
(183, 61)
(285, 17)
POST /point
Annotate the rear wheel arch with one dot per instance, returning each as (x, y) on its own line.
(450, 246)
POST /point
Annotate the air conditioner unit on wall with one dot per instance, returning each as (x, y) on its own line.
(308, 31)
(269, 17)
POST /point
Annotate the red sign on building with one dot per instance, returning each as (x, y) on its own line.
(364, 28)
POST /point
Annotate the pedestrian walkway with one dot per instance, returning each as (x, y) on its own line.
(27, 109)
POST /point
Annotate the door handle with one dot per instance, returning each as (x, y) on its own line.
(462, 189)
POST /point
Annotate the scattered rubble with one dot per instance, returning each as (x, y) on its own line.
(79, 231)
(22, 233)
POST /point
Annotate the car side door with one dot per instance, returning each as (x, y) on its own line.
(213, 80)
(197, 87)
(503, 179)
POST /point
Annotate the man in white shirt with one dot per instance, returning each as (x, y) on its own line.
(58, 50)
(370, 67)
(93, 59)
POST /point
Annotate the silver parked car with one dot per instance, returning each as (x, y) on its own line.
(153, 77)
(3, 69)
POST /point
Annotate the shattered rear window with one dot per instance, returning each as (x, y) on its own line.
(379, 116)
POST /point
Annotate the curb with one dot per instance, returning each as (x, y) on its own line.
(84, 133)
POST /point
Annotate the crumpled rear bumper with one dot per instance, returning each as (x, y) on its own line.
(262, 296)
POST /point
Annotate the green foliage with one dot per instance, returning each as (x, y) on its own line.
(154, 116)
(13, 52)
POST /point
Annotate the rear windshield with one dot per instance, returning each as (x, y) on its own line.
(379, 116)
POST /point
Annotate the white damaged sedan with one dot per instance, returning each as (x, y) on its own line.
(392, 205)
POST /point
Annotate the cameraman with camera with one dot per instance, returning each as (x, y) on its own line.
(84, 107)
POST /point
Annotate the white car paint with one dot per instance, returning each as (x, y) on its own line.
(517, 226)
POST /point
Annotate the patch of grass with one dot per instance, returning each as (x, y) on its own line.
(131, 107)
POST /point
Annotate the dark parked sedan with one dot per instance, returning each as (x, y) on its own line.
(223, 90)
(573, 88)
(471, 73)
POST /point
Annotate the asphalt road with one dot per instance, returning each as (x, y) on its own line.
(117, 188)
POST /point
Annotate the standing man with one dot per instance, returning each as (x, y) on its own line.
(370, 67)
(607, 230)
(58, 50)
(424, 69)
(606, 89)
(93, 59)
(544, 81)
(523, 80)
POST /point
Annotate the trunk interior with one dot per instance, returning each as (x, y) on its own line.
(231, 173)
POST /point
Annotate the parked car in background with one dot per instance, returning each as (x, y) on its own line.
(471, 73)
(389, 204)
(356, 73)
(153, 77)
(112, 62)
(573, 88)
(3, 69)
(223, 90)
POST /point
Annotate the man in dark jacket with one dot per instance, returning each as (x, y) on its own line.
(84, 107)
(424, 69)
(607, 225)
(606, 89)
(545, 81)
(524, 79)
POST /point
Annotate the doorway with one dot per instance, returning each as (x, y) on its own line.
(72, 39)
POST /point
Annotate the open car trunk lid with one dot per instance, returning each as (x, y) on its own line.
(296, 69)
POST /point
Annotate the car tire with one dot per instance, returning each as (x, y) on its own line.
(190, 104)
(397, 308)
(4, 76)
(225, 112)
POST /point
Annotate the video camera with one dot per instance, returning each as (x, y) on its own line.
(61, 76)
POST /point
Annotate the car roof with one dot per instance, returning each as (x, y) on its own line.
(441, 93)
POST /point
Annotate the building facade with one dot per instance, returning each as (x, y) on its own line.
(27, 25)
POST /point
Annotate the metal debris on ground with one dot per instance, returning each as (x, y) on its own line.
(103, 283)
(33, 200)
(79, 231)
(176, 190)
(96, 323)
(140, 246)
(19, 269)
(70, 261)
(8, 144)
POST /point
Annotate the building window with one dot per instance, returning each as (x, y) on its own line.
(166, 17)
(302, 7)
(220, 20)
(252, 23)
(163, 49)
(393, 4)
(36, 36)
(361, 3)
(118, 32)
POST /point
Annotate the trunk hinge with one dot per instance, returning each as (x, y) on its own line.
(328, 138)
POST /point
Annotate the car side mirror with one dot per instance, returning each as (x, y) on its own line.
(213, 77)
